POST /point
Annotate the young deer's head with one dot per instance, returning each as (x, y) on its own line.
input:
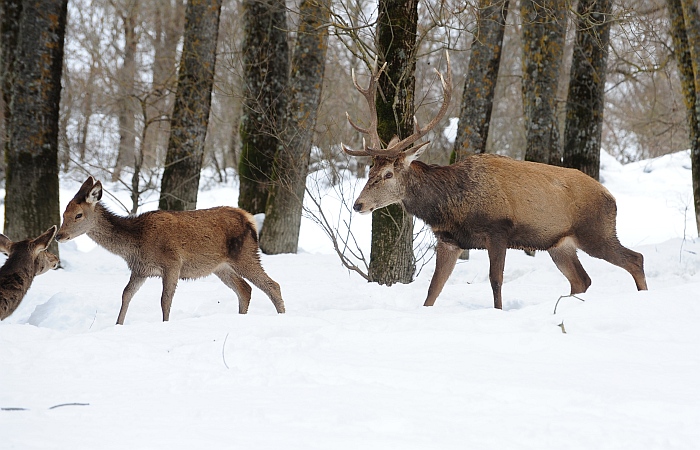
(79, 216)
(387, 176)
(32, 249)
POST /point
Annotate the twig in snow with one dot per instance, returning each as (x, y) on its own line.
(93, 320)
(566, 296)
(223, 354)
(69, 404)
(561, 325)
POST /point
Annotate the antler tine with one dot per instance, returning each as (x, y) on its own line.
(446, 94)
(370, 94)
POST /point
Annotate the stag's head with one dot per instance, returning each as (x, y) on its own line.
(390, 164)
(79, 216)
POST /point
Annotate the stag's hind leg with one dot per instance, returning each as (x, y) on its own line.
(566, 260)
(615, 253)
(238, 285)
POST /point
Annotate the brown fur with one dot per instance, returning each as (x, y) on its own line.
(173, 245)
(26, 259)
(494, 203)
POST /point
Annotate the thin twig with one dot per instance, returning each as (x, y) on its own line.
(223, 354)
(566, 296)
(69, 404)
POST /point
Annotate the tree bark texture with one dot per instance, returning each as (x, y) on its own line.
(391, 258)
(280, 233)
(10, 12)
(586, 99)
(265, 67)
(685, 31)
(126, 77)
(32, 197)
(480, 83)
(544, 28)
(188, 125)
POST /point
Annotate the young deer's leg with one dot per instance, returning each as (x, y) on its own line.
(615, 253)
(445, 260)
(497, 261)
(238, 285)
(170, 277)
(566, 260)
(134, 284)
(256, 274)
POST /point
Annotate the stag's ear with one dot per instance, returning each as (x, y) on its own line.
(42, 242)
(95, 194)
(414, 152)
(5, 244)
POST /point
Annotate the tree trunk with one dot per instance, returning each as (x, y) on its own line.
(280, 233)
(586, 98)
(391, 257)
(685, 31)
(544, 27)
(188, 126)
(480, 84)
(10, 12)
(31, 198)
(126, 79)
(265, 72)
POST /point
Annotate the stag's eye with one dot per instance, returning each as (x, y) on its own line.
(388, 175)
(78, 216)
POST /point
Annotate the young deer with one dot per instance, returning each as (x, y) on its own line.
(173, 245)
(26, 259)
(493, 202)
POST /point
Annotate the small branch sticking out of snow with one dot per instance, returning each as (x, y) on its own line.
(565, 296)
(223, 354)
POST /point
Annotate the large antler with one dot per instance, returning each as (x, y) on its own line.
(395, 146)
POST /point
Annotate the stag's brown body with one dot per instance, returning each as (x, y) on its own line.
(173, 245)
(26, 259)
(494, 203)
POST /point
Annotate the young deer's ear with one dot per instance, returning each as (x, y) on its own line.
(42, 242)
(95, 193)
(5, 244)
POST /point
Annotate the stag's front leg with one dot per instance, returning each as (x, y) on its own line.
(497, 261)
(134, 284)
(445, 260)
(170, 277)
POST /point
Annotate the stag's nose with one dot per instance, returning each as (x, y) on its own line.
(357, 207)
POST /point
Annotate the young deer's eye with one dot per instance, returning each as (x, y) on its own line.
(388, 175)
(78, 216)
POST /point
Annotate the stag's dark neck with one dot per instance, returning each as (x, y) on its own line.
(117, 234)
(430, 189)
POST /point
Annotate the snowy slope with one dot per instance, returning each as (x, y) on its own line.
(355, 365)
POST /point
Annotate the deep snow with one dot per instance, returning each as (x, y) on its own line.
(356, 365)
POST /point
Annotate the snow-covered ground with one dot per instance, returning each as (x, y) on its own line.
(356, 365)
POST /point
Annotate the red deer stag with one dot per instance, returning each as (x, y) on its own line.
(492, 202)
(26, 259)
(173, 245)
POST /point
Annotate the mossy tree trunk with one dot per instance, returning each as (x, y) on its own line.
(10, 12)
(480, 83)
(188, 125)
(544, 28)
(265, 74)
(685, 31)
(391, 258)
(280, 233)
(31, 198)
(586, 98)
